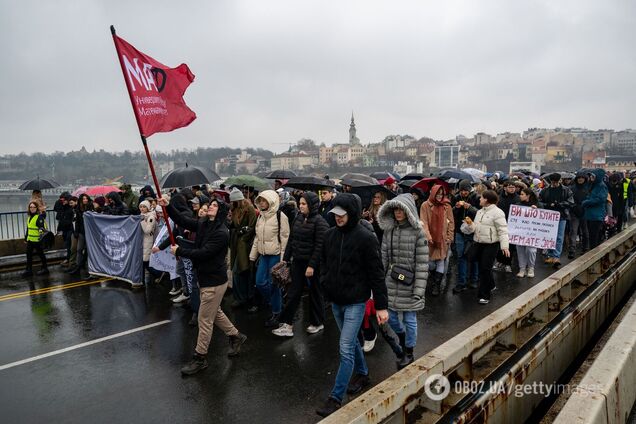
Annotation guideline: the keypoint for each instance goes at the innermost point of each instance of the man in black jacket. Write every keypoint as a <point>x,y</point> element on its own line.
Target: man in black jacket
<point>508,197</point>
<point>464,207</point>
<point>326,204</point>
<point>578,224</point>
<point>350,269</point>
<point>208,257</point>
<point>64,218</point>
<point>559,198</point>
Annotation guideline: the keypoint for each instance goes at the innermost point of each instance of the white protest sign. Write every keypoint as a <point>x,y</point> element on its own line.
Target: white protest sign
<point>533,227</point>
<point>164,260</point>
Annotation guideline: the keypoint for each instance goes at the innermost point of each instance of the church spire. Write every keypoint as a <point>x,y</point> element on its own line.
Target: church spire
<point>352,132</point>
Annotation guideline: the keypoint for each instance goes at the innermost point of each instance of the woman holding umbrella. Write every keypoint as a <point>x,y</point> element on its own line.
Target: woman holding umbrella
<point>36,225</point>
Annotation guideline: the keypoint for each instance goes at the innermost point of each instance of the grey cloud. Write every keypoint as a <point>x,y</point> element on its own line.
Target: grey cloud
<point>273,72</point>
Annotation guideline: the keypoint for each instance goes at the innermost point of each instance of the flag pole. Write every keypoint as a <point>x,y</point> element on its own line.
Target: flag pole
<point>143,138</point>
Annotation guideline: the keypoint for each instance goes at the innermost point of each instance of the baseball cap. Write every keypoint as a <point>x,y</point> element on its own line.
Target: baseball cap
<point>338,211</point>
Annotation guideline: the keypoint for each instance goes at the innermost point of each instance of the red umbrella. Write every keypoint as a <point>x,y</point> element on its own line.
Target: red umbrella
<point>95,190</point>
<point>425,184</point>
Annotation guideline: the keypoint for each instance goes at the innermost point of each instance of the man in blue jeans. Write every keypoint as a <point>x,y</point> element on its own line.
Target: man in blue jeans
<point>350,269</point>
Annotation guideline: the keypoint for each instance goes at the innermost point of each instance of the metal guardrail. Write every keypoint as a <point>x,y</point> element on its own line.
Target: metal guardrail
<point>608,389</point>
<point>13,224</point>
<point>530,339</point>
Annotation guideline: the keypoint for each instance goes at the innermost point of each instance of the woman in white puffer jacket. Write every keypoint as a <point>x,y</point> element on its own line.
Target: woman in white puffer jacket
<point>490,234</point>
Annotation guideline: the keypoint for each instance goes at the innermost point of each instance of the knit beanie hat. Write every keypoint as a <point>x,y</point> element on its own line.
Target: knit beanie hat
<point>236,195</point>
<point>100,200</point>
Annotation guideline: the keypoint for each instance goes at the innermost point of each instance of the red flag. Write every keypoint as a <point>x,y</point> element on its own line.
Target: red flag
<point>156,91</point>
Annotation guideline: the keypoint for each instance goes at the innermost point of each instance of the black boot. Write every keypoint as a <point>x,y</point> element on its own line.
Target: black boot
<point>43,271</point>
<point>407,358</point>
<point>198,363</point>
<point>436,279</point>
<point>235,344</point>
<point>402,339</point>
<point>272,321</point>
<point>27,273</point>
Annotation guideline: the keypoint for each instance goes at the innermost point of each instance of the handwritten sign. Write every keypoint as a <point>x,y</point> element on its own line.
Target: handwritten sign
<point>533,227</point>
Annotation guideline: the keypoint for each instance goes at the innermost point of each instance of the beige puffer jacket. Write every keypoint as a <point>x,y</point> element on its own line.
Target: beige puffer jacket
<point>149,227</point>
<point>266,239</point>
<point>491,227</point>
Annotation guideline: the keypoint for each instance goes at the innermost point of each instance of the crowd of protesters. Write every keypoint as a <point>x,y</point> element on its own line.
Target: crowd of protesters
<point>371,263</point>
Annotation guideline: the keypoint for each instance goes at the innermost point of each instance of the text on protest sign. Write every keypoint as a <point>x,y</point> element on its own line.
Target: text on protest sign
<point>533,227</point>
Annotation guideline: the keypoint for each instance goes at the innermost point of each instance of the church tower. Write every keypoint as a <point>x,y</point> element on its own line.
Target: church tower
<point>352,132</point>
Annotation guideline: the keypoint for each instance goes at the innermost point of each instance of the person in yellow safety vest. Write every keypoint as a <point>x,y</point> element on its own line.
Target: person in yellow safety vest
<point>36,224</point>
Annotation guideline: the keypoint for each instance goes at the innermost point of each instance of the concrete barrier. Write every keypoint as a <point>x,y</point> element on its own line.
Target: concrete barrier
<point>607,392</point>
<point>403,398</point>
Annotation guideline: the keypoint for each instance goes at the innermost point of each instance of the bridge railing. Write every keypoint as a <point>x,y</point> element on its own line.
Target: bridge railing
<point>411,394</point>
<point>13,224</point>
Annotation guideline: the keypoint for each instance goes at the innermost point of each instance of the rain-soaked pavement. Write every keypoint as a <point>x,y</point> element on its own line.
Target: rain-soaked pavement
<point>135,378</point>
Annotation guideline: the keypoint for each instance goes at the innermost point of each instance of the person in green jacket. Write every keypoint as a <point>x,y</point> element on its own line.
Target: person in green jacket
<point>242,226</point>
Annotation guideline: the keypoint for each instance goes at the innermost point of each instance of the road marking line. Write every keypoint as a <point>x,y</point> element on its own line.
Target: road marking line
<point>49,289</point>
<point>81,345</point>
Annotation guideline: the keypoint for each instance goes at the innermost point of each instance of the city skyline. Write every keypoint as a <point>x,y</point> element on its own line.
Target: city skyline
<point>268,75</point>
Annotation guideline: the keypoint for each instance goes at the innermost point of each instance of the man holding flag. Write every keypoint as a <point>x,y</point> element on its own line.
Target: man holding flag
<point>156,93</point>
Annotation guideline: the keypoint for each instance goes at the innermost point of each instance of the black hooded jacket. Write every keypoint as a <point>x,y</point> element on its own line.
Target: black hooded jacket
<point>180,205</point>
<point>143,197</point>
<point>210,245</point>
<point>307,234</point>
<point>579,194</point>
<point>350,266</point>
<point>117,207</point>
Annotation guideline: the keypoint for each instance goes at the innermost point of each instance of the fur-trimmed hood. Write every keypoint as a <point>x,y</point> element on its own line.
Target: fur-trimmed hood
<point>386,219</point>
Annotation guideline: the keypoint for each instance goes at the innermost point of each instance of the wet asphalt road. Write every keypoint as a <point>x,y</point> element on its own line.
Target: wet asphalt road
<point>135,378</point>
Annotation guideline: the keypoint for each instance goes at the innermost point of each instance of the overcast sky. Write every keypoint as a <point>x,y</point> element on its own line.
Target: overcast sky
<point>272,72</point>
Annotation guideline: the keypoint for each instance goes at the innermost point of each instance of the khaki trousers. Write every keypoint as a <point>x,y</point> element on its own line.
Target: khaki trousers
<point>210,313</point>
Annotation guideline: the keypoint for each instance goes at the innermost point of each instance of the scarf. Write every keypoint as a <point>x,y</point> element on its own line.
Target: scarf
<point>438,216</point>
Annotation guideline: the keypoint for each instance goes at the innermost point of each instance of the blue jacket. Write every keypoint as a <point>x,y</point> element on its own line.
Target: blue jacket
<point>596,201</point>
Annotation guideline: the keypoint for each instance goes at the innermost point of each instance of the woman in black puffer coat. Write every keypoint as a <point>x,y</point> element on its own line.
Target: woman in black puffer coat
<point>303,249</point>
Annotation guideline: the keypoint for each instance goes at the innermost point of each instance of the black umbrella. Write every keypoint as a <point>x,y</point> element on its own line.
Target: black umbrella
<point>383,175</point>
<point>309,183</point>
<point>39,184</point>
<point>188,176</point>
<point>458,174</point>
<point>406,184</point>
<point>359,177</point>
<point>413,176</point>
<point>366,190</point>
<point>281,174</point>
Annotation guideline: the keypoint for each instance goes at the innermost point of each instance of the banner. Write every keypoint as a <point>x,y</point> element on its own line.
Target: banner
<point>115,246</point>
<point>164,260</point>
<point>533,227</point>
<point>156,91</point>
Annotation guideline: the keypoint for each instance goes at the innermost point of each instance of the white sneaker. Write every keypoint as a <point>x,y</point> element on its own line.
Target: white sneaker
<point>507,268</point>
<point>530,272</point>
<point>484,301</point>
<point>136,285</point>
<point>180,298</point>
<point>521,273</point>
<point>313,329</point>
<point>283,330</point>
<point>175,291</point>
<point>369,344</point>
